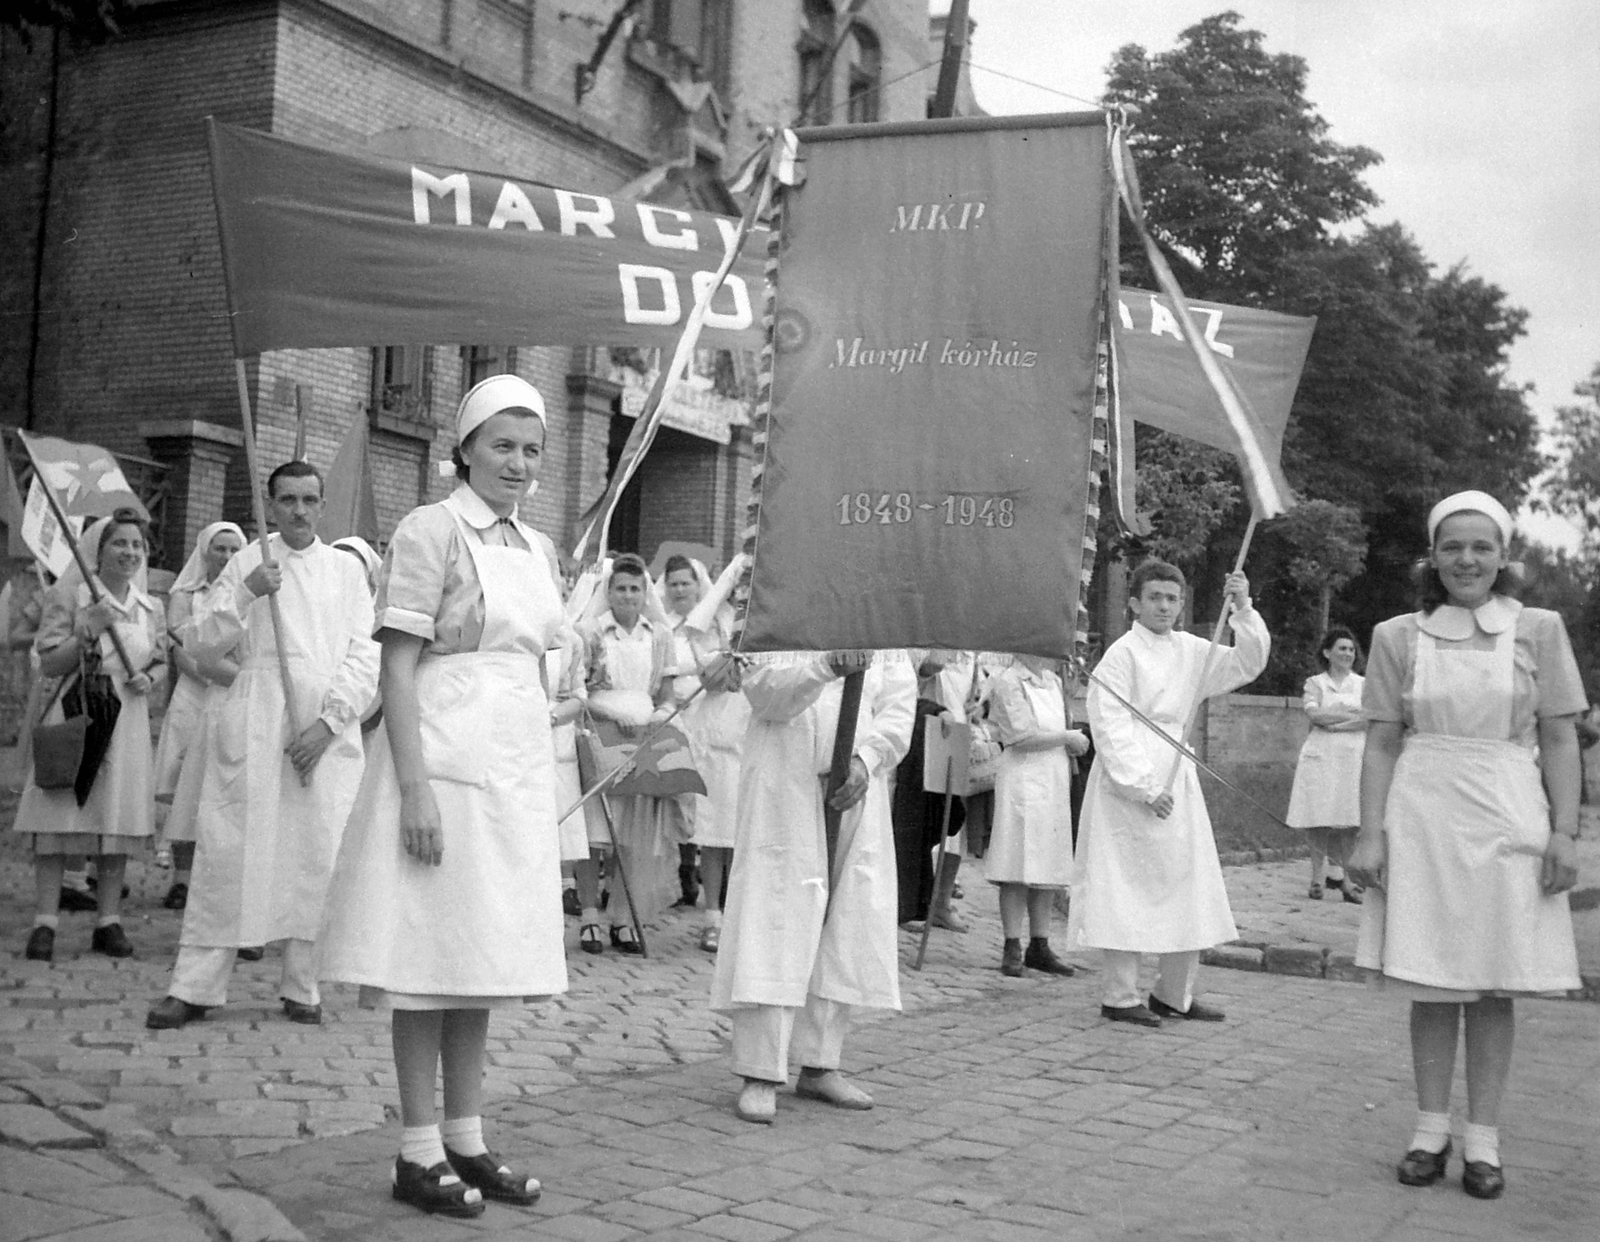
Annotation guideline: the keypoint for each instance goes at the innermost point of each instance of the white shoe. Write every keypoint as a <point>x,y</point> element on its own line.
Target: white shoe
<point>831,1087</point>
<point>758,1102</point>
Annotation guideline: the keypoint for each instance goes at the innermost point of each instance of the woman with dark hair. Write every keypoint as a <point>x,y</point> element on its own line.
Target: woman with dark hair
<point>1326,797</point>
<point>446,899</point>
<point>111,811</point>
<point>1469,818</point>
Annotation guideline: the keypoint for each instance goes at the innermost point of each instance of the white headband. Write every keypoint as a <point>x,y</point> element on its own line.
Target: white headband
<point>486,399</point>
<point>1471,502</point>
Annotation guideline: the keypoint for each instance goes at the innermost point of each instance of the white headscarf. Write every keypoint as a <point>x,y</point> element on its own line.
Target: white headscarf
<point>192,577</point>
<point>1471,502</point>
<point>364,552</point>
<point>89,547</point>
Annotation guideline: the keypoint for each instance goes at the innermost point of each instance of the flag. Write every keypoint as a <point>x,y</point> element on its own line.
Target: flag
<point>42,533</point>
<point>1158,384</point>
<point>349,505</point>
<point>11,508</point>
<point>85,478</point>
<point>661,768</point>
<point>1269,492</point>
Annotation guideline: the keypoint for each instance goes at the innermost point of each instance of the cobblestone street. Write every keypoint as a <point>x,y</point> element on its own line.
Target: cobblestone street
<point>1006,1109</point>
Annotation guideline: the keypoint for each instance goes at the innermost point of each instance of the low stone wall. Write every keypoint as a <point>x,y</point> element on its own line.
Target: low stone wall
<point>1254,741</point>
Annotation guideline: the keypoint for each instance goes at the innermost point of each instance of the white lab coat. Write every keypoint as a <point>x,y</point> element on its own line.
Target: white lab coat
<point>1143,884</point>
<point>776,947</point>
<point>715,724</point>
<point>266,844</point>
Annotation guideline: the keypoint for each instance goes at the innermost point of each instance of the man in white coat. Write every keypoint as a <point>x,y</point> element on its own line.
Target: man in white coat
<point>273,806</point>
<point>1146,877</point>
<point>791,965</point>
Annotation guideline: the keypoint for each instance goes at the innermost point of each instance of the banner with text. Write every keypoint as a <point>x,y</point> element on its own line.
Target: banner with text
<point>327,248</point>
<point>926,473</point>
<point>1160,385</point>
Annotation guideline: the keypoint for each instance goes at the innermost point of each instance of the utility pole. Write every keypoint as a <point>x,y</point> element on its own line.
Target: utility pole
<point>955,51</point>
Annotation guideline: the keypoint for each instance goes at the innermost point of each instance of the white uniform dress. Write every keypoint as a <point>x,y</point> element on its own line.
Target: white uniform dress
<point>181,754</point>
<point>776,948</point>
<point>1462,915</point>
<point>715,724</point>
<point>265,842</point>
<point>1327,779</point>
<point>483,929</point>
<point>1140,883</point>
<point>119,815</point>
<point>1031,842</point>
<point>563,666</point>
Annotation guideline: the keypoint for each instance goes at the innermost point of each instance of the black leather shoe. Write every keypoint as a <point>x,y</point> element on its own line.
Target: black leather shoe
<point>298,1011</point>
<point>1040,956</point>
<point>76,901</point>
<point>1195,1013</point>
<point>111,940</point>
<point>569,903</point>
<point>1137,1014</point>
<point>1011,959</point>
<point>177,897</point>
<point>1482,1180</point>
<point>253,954</point>
<point>423,1188</point>
<point>623,940</point>
<point>170,1013</point>
<point>589,938</point>
<point>495,1180</point>
<point>1424,1168</point>
<point>41,945</point>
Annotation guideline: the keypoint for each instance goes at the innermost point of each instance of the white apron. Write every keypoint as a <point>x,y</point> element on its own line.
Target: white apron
<point>715,725</point>
<point>265,842</point>
<point>1467,823</point>
<point>185,794</point>
<point>1327,778</point>
<point>780,939</point>
<point>486,923</point>
<point>566,780</point>
<point>121,802</point>
<point>179,728</point>
<point>1031,841</point>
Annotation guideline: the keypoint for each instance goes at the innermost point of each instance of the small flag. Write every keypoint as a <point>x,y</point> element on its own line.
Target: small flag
<point>43,533</point>
<point>85,478</point>
<point>349,504</point>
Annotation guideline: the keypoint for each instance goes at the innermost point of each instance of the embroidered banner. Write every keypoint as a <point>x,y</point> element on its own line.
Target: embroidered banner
<point>327,248</point>
<point>925,480</point>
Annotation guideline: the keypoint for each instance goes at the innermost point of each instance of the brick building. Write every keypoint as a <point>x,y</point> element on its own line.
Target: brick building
<point>112,286</point>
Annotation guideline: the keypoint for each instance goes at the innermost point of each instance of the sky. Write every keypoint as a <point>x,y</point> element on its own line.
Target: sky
<point>1486,113</point>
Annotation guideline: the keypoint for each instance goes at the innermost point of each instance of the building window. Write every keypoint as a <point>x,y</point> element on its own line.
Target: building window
<point>865,74</point>
<point>402,384</point>
<point>479,362</point>
<point>700,32</point>
<point>816,39</point>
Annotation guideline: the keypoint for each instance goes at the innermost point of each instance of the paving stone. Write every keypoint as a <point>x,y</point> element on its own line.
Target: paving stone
<point>33,1218</point>
<point>32,1126</point>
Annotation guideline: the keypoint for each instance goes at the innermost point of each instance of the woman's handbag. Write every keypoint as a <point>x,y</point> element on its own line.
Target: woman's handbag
<point>58,752</point>
<point>68,755</point>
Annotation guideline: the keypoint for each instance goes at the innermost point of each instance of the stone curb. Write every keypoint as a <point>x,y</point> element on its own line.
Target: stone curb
<point>1320,962</point>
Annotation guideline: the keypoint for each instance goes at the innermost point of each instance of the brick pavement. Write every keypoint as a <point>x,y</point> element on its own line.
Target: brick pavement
<point>1007,1108</point>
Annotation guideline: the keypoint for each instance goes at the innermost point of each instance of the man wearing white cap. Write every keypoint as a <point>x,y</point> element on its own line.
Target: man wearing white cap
<point>273,802</point>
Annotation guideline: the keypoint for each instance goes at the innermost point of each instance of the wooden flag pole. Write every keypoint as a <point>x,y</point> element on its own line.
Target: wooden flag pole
<point>252,466</point>
<point>77,553</point>
<point>844,747</point>
<point>1211,653</point>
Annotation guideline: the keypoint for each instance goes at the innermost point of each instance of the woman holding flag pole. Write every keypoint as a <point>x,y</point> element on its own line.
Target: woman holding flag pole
<point>446,899</point>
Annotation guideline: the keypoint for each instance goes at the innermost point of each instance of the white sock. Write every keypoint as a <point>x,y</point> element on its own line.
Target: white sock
<point>591,914</point>
<point>52,921</point>
<point>464,1135</point>
<point>1481,1144</point>
<point>106,920</point>
<point>422,1145</point>
<point>1433,1132</point>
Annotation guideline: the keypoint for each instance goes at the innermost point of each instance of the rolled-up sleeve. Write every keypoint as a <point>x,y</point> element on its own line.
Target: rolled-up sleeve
<point>1383,691</point>
<point>411,583</point>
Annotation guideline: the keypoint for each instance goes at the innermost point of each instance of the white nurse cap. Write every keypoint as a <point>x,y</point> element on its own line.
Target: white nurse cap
<point>488,397</point>
<point>1471,502</point>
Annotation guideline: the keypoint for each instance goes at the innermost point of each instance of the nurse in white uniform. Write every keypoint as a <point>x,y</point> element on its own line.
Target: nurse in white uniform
<point>1469,818</point>
<point>446,901</point>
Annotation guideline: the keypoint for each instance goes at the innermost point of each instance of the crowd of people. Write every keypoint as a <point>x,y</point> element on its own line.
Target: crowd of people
<point>391,768</point>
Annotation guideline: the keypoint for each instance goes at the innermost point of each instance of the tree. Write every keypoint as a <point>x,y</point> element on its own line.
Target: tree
<point>1573,486</point>
<point>1236,167</point>
<point>1330,547</point>
<point>88,19</point>
<point>1404,396</point>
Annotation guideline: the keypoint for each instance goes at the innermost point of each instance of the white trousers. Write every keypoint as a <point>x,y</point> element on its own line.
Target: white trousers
<point>1174,985</point>
<point>201,974</point>
<point>763,1034</point>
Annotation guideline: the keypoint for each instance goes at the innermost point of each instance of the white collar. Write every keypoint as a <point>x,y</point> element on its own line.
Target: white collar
<point>475,511</point>
<point>609,622</point>
<point>1149,636</point>
<point>1453,623</point>
<point>136,599</point>
<point>283,548</point>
